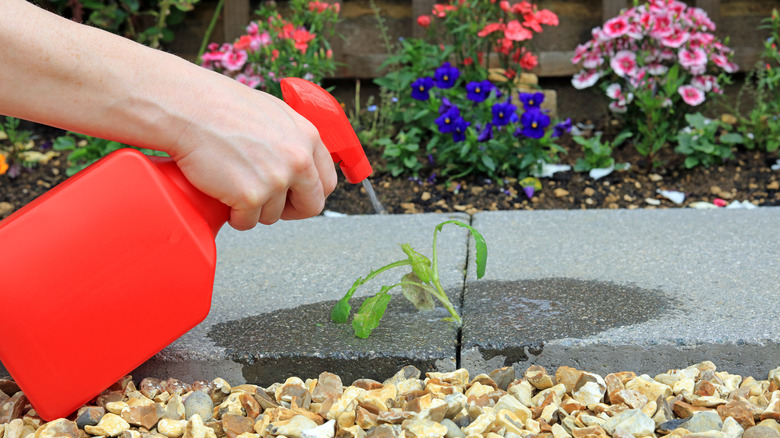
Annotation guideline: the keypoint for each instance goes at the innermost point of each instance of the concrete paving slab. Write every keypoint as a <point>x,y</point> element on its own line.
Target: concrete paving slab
<point>639,290</point>
<point>275,287</point>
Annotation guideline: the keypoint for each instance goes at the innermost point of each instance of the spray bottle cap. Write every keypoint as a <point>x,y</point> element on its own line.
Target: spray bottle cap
<point>324,112</point>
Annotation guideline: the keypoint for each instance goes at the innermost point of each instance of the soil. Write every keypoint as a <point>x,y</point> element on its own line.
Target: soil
<point>746,177</point>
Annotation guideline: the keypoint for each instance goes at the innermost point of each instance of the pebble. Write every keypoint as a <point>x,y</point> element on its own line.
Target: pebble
<point>198,403</point>
<point>695,402</point>
<point>109,425</point>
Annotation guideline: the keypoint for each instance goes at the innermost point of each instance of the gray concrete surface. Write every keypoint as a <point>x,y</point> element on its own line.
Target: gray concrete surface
<point>601,290</point>
<point>640,290</point>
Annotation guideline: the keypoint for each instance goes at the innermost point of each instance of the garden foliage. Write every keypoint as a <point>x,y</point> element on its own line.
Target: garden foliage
<point>760,126</point>
<point>456,113</point>
<point>657,62</point>
<point>145,21</point>
<point>275,47</point>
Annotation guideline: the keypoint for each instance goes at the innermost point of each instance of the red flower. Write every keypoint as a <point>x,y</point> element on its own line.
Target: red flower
<point>522,8</point>
<point>441,10</point>
<point>287,30</point>
<point>318,6</point>
<point>516,32</point>
<point>530,22</point>
<point>302,37</point>
<point>243,43</point>
<point>547,17</point>
<point>424,21</point>
<point>490,28</point>
<point>468,61</point>
<point>504,45</point>
<point>528,61</point>
<point>274,54</point>
<point>510,74</point>
<point>504,4</point>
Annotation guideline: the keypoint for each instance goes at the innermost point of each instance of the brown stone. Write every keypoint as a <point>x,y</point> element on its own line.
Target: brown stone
<point>60,428</point>
<point>738,410</point>
<point>589,432</point>
<point>9,387</point>
<point>568,376</point>
<point>538,377</point>
<point>626,376</point>
<point>382,431</point>
<point>175,387</point>
<point>705,388</point>
<point>150,387</point>
<point>632,399</point>
<point>367,384</point>
<point>760,431</point>
<point>329,385</point>
<point>685,410</point>
<point>13,407</point>
<point>570,405</point>
<point>772,410</point>
<point>365,419</point>
<point>390,417</point>
<point>145,416</point>
<point>235,425</point>
<point>614,384</point>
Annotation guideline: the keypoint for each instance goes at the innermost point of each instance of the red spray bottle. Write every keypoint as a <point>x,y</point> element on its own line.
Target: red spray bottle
<point>117,262</point>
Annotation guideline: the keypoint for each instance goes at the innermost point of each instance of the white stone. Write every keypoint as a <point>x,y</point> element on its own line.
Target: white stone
<point>630,422</point>
<point>421,428</point>
<point>732,428</point>
<point>293,427</point>
<point>590,389</point>
<point>480,425</point>
<point>196,429</point>
<point>325,430</point>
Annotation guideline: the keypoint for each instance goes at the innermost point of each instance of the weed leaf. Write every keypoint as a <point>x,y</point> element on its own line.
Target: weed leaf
<point>421,265</point>
<point>371,311</point>
<point>340,311</point>
<point>480,245</point>
<point>418,296</point>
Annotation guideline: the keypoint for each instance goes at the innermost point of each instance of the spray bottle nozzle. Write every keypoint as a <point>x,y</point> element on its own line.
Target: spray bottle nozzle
<point>324,112</point>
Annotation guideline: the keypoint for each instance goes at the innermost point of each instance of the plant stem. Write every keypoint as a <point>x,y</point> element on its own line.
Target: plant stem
<point>445,301</point>
<point>209,30</point>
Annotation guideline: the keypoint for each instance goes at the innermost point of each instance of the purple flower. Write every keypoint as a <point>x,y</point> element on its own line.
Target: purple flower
<point>561,128</point>
<point>446,75</point>
<point>504,113</point>
<point>447,120</point>
<point>531,100</point>
<point>446,105</point>
<point>420,88</point>
<point>486,133</point>
<point>478,91</point>
<point>459,129</point>
<point>533,123</point>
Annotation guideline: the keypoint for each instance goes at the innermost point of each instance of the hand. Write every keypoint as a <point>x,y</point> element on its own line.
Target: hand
<point>256,155</point>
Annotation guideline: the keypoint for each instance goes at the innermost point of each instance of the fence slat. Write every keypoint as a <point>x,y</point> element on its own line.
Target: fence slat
<point>235,18</point>
<point>712,7</point>
<point>420,7</point>
<point>611,8</point>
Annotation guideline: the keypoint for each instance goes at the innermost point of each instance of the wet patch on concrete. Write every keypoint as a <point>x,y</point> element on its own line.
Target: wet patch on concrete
<point>513,319</point>
<point>302,341</point>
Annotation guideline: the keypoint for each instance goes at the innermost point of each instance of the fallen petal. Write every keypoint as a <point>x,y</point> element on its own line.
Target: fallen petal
<point>676,197</point>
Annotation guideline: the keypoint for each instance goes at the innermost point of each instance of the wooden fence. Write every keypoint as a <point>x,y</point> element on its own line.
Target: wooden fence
<point>361,51</point>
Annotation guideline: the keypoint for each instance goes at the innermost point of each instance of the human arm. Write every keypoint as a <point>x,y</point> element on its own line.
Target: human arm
<point>244,147</point>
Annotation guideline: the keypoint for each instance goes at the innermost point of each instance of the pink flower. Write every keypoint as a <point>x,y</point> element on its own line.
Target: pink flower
<point>616,27</point>
<point>662,27</point>
<point>691,95</point>
<point>723,62</point>
<point>703,82</point>
<point>592,60</point>
<point>618,107</point>
<point>251,81</point>
<point>585,79</point>
<point>504,5</point>
<point>614,91</point>
<point>676,40</point>
<point>516,32</point>
<point>692,59</point>
<point>624,63</point>
<point>234,60</point>
<point>657,69</point>
<point>700,40</point>
<point>252,28</point>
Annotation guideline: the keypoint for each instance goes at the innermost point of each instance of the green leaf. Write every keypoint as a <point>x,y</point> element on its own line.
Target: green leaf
<point>479,243</point>
<point>371,311</point>
<point>691,162</point>
<point>63,143</point>
<point>731,138</point>
<point>340,311</point>
<point>416,294</point>
<point>421,265</point>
